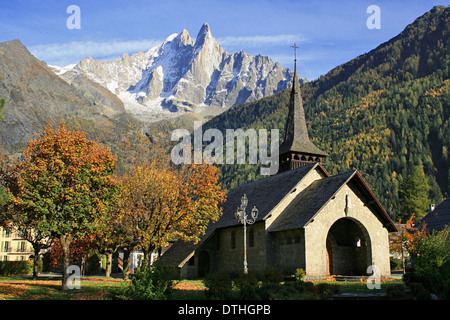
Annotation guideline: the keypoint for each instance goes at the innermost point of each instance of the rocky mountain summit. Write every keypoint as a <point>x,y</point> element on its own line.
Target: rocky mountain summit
<point>182,74</point>
<point>35,96</point>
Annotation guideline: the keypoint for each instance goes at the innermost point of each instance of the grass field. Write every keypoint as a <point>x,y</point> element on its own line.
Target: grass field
<point>98,288</point>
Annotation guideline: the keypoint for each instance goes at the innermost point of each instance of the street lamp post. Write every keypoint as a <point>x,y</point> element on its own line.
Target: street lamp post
<point>242,217</point>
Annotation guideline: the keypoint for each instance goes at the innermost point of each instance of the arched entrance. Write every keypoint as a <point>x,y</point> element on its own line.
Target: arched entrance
<point>348,248</point>
<point>203,264</point>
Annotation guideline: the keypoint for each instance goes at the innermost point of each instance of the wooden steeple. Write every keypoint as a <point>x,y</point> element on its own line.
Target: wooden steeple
<point>297,150</point>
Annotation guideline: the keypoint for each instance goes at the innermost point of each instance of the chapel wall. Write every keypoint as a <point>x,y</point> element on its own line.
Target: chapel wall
<point>316,232</point>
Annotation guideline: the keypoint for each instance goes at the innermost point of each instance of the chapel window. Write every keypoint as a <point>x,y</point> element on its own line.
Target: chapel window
<point>233,239</point>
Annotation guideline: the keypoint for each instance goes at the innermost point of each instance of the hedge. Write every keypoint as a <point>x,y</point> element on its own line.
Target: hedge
<point>8,268</point>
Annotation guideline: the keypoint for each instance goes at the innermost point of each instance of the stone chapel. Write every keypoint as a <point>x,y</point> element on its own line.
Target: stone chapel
<point>327,225</point>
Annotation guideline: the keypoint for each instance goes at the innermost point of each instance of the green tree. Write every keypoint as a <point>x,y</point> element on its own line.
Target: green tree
<point>430,253</point>
<point>63,187</point>
<point>4,195</point>
<point>413,195</point>
<point>2,105</point>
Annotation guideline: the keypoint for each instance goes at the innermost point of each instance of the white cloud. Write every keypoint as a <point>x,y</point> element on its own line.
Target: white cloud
<point>62,54</point>
<point>261,40</point>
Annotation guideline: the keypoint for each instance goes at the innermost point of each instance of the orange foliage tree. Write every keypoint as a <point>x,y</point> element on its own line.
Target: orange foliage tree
<point>63,187</point>
<point>413,235</point>
<point>80,249</point>
<point>160,202</point>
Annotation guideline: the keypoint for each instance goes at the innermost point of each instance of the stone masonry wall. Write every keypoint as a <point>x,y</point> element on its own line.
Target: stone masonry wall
<point>316,232</point>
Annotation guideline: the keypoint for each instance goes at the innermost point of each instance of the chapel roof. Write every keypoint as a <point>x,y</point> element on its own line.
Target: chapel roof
<point>310,202</point>
<point>439,218</point>
<point>265,194</point>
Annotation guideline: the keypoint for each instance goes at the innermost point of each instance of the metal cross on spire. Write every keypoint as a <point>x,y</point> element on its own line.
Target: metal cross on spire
<point>295,51</point>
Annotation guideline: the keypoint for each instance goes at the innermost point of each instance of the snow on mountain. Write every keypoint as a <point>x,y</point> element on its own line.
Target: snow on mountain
<point>181,75</point>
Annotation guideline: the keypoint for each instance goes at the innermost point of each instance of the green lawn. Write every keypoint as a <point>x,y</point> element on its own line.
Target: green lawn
<point>24,288</point>
<point>361,287</point>
<point>98,288</point>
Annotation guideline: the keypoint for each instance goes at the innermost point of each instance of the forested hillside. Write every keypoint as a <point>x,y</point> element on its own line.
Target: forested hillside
<point>382,113</point>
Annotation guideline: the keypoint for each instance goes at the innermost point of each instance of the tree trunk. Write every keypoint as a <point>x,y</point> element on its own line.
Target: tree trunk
<point>126,264</point>
<point>147,255</point>
<point>108,263</point>
<point>65,244</point>
<point>36,249</point>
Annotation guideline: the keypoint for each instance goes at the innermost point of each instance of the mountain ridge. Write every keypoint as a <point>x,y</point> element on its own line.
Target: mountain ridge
<point>36,96</point>
<point>382,113</point>
<point>182,74</point>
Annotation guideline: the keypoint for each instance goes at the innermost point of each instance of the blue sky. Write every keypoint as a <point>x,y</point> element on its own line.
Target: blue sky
<point>328,32</point>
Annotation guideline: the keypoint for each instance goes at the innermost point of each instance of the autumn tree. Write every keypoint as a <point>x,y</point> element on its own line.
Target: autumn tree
<point>63,187</point>
<point>164,204</point>
<point>114,234</point>
<point>80,250</point>
<point>430,253</point>
<point>412,234</point>
<point>161,202</point>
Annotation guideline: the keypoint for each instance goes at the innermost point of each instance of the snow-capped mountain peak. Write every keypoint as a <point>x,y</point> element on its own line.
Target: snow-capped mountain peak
<point>180,74</point>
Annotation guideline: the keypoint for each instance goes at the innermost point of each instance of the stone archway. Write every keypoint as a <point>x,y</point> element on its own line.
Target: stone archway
<point>203,264</point>
<point>348,248</point>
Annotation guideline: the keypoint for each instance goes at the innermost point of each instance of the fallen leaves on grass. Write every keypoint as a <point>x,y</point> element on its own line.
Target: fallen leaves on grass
<point>186,285</point>
<point>10,291</point>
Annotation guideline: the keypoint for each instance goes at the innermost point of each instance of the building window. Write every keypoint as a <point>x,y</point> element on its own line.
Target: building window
<point>233,239</point>
<point>251,237</point>
<point>21,246</point>
<point>6,247</point>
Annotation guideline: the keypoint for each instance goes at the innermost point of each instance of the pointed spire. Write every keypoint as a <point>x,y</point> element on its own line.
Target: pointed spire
<point>296,139</point>
<point>203,35</point>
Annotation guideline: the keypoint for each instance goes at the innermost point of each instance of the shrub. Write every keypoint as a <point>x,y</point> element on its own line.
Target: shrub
<point>446,290</point>
<point>219,285</point>
<point>268,291</point>
<point>300,286</point>
<point>299,274</point>
<point>327,289</point>
<point>8,268</point>
<point>424,294</point>
<point>412,277</point>
<point>244,280</point>
<point>285,293</point>
<point>431,257</point>
<point>396,292</point>
<point>249,292</point>
<point>296,291</point>
<point>396,264</point>
<point>272,275</point>
<point>151,283</point>
<point>310,287</point>
<point>92,264</point>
